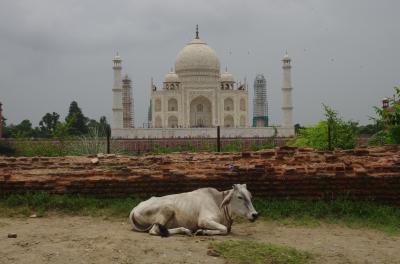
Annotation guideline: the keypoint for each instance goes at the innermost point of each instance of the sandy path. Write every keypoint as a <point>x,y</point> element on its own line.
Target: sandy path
<point>63,239</point>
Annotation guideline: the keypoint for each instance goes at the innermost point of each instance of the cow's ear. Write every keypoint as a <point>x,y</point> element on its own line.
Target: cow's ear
<point>227,199</point>
<point>235,187</point>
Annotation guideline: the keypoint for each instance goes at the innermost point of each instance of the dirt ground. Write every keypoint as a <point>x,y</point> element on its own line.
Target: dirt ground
<point>64,239</point>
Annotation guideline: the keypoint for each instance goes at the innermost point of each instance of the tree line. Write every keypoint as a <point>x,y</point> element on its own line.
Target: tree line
<point>51,126</point>
<point>335,132</point>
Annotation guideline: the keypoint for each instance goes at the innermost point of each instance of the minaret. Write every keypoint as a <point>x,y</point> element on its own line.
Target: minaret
<point>117,94</point>
<point>127,103</point>
<point>260,102</point>
<point>287,107</point>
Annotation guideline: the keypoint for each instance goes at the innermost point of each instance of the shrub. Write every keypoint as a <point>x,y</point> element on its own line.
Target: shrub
<point>328,134</point>
<point>30,148</point>
<point>6,148</point>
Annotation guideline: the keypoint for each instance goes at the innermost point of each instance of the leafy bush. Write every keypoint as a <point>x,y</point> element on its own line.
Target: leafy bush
<point>331,133</point>
<point>30,148</point>
<point>380,138</point>
<point>389,121</point>
<point>235,146</point>
<point>266,145</point>
<point>6,148</point>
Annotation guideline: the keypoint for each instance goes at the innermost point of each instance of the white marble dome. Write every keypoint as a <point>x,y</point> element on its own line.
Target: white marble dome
<point>227,77</point>
<point>197,56</point>
<point>171,77</point>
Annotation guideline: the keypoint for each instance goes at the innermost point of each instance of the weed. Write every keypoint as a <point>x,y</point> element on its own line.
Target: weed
<point>246,251</point>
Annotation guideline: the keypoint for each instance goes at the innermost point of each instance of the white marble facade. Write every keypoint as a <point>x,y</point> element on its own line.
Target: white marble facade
<point>196,95</point>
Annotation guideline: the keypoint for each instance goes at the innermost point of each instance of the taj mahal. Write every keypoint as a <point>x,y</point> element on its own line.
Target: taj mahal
<point>195,98</point>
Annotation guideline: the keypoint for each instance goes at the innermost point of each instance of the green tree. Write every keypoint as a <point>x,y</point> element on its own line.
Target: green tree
<point>48,124</point>
<point>297,128</point>
<point>6,129</point>
<point>101,126</point>
<point>61,130</point>
<point>333,132</point>
<point>76,121</point>
<point>23,130</point>
<point>389,121</point>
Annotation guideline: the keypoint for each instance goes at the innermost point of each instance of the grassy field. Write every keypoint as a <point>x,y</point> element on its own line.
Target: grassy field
<point>289,212</point>
<point>246,251</point>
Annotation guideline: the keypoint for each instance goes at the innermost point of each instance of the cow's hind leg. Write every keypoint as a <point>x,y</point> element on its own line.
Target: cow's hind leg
<point>210,227</point>
<point>159,228</point>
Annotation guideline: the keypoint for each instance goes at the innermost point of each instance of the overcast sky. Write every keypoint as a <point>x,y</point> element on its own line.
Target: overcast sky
<point>345,53</point>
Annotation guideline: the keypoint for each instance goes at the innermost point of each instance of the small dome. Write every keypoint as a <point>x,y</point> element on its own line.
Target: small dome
<point>171,77</point>
<point>197,56</point>
<point>227,77</point>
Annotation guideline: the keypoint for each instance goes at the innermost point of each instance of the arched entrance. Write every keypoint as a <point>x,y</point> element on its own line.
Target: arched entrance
<point>200,112</point>
<point>228,121</point>
<point>173,121</point>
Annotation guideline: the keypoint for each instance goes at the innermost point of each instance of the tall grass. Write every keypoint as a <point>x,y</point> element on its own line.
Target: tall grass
<point>43,202</point>
<point>340,211</point>
<point>30,148</point>
<point>88,144</point>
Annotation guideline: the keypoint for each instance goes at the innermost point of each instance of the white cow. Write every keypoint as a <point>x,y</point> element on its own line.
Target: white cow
<point>205,211</point>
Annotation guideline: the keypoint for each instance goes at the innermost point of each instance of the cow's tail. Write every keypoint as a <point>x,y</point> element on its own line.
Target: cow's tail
<point>136,226</point>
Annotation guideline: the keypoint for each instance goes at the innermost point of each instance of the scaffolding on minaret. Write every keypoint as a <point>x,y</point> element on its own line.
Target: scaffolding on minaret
<point>260,102</point>
<point>127,103</point>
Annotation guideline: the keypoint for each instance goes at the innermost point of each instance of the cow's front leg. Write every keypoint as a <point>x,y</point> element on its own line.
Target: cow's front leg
<point>180,230</point>
<point>210,227</point>
<point>157,230</point>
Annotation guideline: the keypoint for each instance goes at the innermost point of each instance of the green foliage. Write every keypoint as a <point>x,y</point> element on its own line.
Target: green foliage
<point>43,202</point>
<point>267,144</point>
<point>22,130</point>
<point>394,131</point>
<point>48,148</point>
<point>76,125</point>
<point>61,131</point>
<point>48,124</point>
<point>236,146</point>
<point>88,144</point>
<point>380,138</point>
<point>388,121</point>
<point>6,148</point>
<point>331,133</point>
<point>76,121</point>
<point>356,214</point>
<point>369,129</point>
<point>340,211</point>
<point>297,128</point>
<point>315,136</point>
<point>102,126</point>
<point>247,251</point>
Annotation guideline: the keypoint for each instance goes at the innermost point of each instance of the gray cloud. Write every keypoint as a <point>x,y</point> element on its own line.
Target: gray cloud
<point>345,53</point>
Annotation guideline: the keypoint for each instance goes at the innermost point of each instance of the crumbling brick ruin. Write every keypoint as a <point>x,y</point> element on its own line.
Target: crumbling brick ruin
<point>365,173</point>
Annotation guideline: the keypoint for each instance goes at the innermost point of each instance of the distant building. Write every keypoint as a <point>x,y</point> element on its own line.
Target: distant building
<point>260,102</point>
<point>196,97</point>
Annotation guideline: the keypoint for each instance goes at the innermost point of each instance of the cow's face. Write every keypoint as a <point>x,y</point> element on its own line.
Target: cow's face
<point>241,202</point>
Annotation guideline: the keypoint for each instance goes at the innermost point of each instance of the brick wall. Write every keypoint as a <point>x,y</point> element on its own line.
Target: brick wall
<point>365,173</point>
